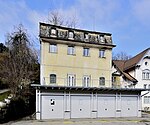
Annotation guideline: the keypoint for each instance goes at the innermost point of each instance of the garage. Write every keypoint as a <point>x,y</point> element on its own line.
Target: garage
<point>129,106</point>
<point>52,107</point>
<point>80,106</point>
<point>54,102</point>
<point>106,106</point>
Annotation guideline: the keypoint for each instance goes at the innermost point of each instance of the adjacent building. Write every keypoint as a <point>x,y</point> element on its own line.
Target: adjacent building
<point>134,73</point>
<point>76,77</point>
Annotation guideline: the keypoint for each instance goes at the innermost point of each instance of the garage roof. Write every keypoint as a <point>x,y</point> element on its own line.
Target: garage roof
<point>106,89</point>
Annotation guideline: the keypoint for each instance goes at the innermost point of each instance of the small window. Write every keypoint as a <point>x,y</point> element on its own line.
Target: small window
<point>86,52</point>
<point>145,86</point>
<point>102,39</point>
<point>53,48</point>
<point>52,79</point>
<point>146,63</point>
<point>71,50</point>
<point>147,99</point>
<point>53,32</point>
<point>149,86</point>
<point>101,53</point>
<point>86,36</point>
<point>102,81</point>
<point>146,74</point>
<point>70,34</point>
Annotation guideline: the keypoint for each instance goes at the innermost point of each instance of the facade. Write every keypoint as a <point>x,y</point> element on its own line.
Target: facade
<point>71,57</point>
<point>134,73</point>
<point>76,77</point>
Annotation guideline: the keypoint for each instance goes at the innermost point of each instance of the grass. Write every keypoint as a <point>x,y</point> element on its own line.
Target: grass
<point>4,95</point>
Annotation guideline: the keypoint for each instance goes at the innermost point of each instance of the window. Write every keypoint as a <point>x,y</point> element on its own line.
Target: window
<point>53,48</point>
<point>86,81</point>
<point>102,81</point>
<point>146,63</point>
<point>71,80</point>
<point>146,74</point>
<point>53,32</point>
<point>147,99</point>
<point>149,86</point>
<point>101,53</point>
<point>71,50</point>
<point>86,36</point>
<point>70,34</point>
<point>102,39</point>
<point>145,85</point>
<point>52,79</point>
<point>86,51</point>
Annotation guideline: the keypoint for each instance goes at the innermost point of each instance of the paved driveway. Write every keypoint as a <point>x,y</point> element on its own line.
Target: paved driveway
<point>102,121</point>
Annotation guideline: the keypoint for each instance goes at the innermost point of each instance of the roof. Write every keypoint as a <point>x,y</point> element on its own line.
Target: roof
<point>124,65</point>
<point>72,88</point>
<point>133,61</point>
<point>120,66</point>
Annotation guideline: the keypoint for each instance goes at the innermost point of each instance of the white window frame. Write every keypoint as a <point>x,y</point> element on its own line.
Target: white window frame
<point>53,32</point>
<point>71,80</point>
<point>86,80</point>
<point>86,52</point>
<point>71,35</point>
<point>53,48</point>
<point>146,99</point>
<point>145,86</point>
<point>102,53</point>
<point>146,74</point>
<point>71,50</point>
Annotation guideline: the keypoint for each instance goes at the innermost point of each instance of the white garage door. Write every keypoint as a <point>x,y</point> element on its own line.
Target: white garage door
<point>52,107</point>
<point>106,106</point>
<point>80,107</point>
<point>129,106</point>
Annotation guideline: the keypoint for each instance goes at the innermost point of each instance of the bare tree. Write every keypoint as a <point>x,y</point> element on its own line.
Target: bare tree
<point>18,64</point>
<point>121,56</point>
<point>56,18</point>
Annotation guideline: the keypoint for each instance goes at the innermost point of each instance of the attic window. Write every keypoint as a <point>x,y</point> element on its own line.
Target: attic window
<point>71,35</point>
<point>146,63</point>
<point>53,32</point>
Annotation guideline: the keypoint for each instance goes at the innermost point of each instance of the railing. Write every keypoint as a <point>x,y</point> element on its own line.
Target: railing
<point>80,83</point>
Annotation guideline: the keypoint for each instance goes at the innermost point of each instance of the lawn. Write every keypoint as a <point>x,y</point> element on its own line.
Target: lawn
<point>4,95</point>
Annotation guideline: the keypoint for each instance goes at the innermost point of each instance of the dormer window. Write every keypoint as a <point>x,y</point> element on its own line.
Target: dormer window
<point>71,35</point>
<point>86,36</point>
<point>102,38</point>
<point>53,31</point>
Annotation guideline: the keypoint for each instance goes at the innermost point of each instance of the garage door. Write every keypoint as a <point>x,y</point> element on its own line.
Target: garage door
<point>129,106</point>
<point>80,107</point>
<point>52,107</point>
<point>106,106</point>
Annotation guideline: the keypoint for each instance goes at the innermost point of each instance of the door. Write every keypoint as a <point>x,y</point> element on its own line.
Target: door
<point>86,81</point>
<point>52,107</point>
<point>106,106</point>
<point>71,80</point>
<point>129,106</point>
<point>80,107</point>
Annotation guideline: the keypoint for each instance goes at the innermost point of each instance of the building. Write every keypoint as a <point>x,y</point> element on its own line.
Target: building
<point>134,73</point>
<point>76,77</point>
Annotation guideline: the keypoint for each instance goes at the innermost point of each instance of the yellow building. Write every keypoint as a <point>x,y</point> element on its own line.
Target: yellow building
<point>74,57</point>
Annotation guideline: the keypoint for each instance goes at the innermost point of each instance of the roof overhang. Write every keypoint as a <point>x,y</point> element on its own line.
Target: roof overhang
<point>98,89</point>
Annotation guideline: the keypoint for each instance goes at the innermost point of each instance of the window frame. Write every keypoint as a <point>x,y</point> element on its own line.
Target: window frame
<point>146,74</point>
<point>86,80</point>
<point>53,78</point>
<point>86,51</point>
<point>102,53</point>
<point>53,48</point>
<point>71,50</point>
<point>102,81</point>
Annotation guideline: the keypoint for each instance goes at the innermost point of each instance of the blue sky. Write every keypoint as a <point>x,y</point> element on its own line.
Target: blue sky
<point>127,20</point>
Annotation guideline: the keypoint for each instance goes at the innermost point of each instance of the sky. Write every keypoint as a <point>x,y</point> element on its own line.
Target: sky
<point>127,20</point>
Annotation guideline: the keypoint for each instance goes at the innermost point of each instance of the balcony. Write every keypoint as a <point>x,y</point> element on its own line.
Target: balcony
<point>76,82</point>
